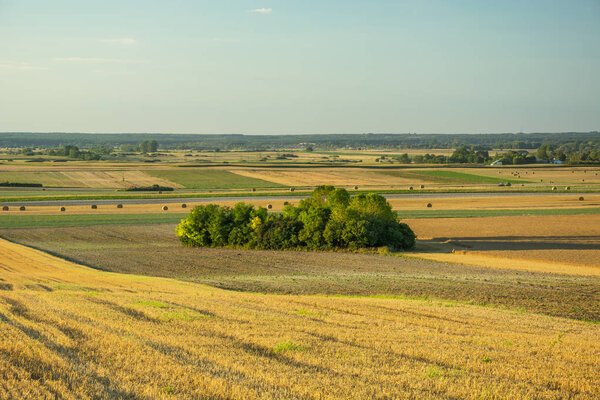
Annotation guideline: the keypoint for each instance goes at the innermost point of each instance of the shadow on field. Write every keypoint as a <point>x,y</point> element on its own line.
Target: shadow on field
<point>445,245</point>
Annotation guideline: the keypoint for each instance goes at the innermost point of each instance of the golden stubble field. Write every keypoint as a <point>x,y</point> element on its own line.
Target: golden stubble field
<point>553,243</point>
<point>77,333</point>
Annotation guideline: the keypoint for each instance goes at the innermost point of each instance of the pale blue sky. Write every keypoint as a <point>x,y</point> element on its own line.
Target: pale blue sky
<point>303,66</point>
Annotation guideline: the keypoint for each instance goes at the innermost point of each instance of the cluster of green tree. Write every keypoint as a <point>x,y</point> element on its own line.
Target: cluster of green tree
<point>516,157</point>
<point>572,153</point>
<point>277,142</point>
<point>153,188</point>
<point>461,155</point>
<point>329,219</point>
<point>147,146</point>
<point>72,151</point>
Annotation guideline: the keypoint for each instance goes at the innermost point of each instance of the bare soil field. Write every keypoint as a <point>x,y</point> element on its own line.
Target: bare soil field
<point>89,334</point>
<point>570,240</point>
<point>154,250</point>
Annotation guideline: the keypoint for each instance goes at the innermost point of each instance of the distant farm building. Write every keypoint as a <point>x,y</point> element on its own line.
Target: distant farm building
<point>497,162</point>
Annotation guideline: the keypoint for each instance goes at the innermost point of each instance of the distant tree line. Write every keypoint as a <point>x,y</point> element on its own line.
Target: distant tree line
<point>329,219</point>
<point>524,141</point>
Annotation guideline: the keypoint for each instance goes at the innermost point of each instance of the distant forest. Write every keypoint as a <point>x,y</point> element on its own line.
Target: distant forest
<point>527,141</point>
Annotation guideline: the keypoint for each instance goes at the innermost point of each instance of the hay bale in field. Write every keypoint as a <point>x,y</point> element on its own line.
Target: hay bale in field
<point>285,203</point>
<point>292,189</point>
<point>355,187</point>
<point>269,206</point>
<point>5,208</point>
<point>165,208</point>
<point>410,188</point>
<point>429,205</point>
<point>422,186</point>
<point>63,209</point>
<point>184,205</point>
<point>581,198</point>
<point>568,188</point>
<point>253,189</point>
<point>119,205</point>
<point>554,188</point>
<point>22,208</point>
<point>94,207</point>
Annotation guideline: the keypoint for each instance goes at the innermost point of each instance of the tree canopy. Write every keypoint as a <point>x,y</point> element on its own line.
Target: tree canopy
<point>329,219</point>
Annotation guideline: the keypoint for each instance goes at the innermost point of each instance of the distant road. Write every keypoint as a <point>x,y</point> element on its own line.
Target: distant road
<point>169,200</point>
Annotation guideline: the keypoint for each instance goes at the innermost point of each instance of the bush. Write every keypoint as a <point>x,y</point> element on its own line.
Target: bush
<point>329,219</point>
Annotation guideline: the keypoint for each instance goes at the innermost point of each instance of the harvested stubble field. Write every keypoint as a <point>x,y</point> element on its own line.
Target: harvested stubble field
<point>387,177</point>
<point>85,178</point>
<point>154,250</point>
<point>562,243</point>
<point>74,332</point>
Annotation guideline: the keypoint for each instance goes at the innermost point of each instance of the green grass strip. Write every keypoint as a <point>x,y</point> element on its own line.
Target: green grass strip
<point>34,221</point>
<point>493,213</point>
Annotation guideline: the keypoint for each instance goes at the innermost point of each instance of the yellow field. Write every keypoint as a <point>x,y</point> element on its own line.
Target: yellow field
<point>552,243</point>
<point>557,175</point>
<point>81,333</point>
<point>85,178</point>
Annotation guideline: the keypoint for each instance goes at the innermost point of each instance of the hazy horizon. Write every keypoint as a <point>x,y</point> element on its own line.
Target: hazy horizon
<point>284,67</point>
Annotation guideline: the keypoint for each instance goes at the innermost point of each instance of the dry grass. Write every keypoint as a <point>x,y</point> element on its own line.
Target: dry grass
<point>72,332</point>
<point>564,243</point>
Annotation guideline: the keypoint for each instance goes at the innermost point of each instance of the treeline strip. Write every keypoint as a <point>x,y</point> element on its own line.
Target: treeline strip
<point>19,184</point>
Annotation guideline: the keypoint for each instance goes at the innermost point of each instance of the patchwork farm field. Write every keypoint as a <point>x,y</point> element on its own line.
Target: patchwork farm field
<point>202,178</point>
<point>86,333</point>
<point>106,303</point>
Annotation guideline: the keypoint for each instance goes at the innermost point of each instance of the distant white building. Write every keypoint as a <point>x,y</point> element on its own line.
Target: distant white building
<point>497,162</point>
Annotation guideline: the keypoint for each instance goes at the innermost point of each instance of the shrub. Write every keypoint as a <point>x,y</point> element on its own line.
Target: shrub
<point>329,219</point>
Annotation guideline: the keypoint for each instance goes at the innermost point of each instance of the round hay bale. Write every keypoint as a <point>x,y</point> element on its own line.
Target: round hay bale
<point>119,205</point>
<point>355,187</point>
<point>63,209</point>
<point>269,206</point>
<point>292,189</point>
<point>4,208</point>
<point>285,203</point>
<point>94,207</point>
<point>568,188</point>
<point>22,208</point>
<point>429,205</point>
<point>410,188</point>
<point>422,186</point>
<point>165,208</point>
<point>184,205</point>
<point>583,180</point>
<point>254,189</point>
<point>554,188</point>
<point>581,198</point>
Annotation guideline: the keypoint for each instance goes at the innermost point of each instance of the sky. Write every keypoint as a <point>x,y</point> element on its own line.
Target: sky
<point>302,66</point>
